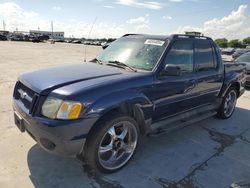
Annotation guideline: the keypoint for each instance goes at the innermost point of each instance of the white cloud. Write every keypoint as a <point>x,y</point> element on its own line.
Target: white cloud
<point>142,28</point>
<point>16,17</point>
<point>135,3</point>
<point>177,1</point>
<point>12,9</point>
<point>167,17</point>
<point>141,23</point>
<point>234,25</point>
<point>108,6</point>
<point>57,8</point>
<point>139,20</point>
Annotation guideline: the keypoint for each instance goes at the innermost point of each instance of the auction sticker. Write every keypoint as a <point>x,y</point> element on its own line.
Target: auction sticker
<point>154,42</point>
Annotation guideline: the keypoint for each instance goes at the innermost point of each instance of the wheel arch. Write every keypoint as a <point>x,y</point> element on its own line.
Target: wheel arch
<point>126,108</point>
<point>234,84</point>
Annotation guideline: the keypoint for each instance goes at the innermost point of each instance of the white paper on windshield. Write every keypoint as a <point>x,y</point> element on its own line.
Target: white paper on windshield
<point>154,42</point>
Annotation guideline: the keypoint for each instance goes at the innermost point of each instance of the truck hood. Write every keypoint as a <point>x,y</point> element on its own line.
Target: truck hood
<point>46,80</point>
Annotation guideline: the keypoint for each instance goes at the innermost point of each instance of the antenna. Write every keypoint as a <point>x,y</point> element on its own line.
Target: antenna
<point>4,25</point>
<point>52,30</point>
<point>85,51</point>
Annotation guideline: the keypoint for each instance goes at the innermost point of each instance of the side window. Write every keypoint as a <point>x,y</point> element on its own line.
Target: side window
<point>204,56</point>
<point>181,54</point>
<point>216,51</point>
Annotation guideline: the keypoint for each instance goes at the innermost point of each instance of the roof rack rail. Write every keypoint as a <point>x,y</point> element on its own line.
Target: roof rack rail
<point>130,34</point>
<point>190,36</point>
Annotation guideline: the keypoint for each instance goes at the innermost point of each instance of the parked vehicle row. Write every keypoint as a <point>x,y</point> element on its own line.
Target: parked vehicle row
<point>3,38</point>
<point>42,38</point>
<point>234,52</point>
<point>31,38</point>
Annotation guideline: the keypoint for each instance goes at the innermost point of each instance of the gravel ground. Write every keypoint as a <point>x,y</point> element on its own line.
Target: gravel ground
<point>211,153</point>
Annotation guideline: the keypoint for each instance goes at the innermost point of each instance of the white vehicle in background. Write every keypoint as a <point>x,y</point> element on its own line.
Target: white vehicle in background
<point>227,51</point>
<point>245,58</point>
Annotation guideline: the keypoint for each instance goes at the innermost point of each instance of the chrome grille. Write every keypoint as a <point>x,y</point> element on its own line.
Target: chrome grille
<point>27,96</point>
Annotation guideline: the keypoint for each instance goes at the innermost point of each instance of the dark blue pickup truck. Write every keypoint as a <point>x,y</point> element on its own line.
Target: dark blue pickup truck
<point>139,85</point>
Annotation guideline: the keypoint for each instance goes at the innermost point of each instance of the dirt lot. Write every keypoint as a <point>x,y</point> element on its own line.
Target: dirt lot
<point>211,153</point>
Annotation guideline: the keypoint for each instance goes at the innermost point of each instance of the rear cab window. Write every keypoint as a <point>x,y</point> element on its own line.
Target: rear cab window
<point>205,56</point>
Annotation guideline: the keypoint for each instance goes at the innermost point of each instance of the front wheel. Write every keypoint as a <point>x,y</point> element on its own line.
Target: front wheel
<point>112,144</point>
<point>228,104</point>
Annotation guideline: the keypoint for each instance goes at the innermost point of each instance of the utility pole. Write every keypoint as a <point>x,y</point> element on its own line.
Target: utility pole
<point>52,30</point>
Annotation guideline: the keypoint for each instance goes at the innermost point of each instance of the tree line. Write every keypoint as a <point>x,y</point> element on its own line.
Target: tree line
<point>236,43</point>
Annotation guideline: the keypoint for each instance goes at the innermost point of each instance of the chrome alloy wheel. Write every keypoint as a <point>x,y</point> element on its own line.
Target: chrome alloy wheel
<point>230,103</point>
<point>117,145</point>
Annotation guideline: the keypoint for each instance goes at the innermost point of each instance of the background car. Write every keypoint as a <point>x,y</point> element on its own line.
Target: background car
<point>239,52</point>
<point>3,38</point>
<point>227,51</point>
<point>245,58</point>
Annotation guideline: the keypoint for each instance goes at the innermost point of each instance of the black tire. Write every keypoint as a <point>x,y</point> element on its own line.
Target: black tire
<point>221,112</point>
<point>93,144</point>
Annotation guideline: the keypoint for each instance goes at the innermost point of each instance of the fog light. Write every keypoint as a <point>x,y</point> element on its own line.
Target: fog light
<point>47,144</point>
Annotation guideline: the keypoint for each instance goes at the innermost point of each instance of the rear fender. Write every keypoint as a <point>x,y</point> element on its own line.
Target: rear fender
<point>231,78</point>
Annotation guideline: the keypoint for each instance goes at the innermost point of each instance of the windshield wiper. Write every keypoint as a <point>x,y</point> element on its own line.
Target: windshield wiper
<point>96,61</point>
<point>121,64</point>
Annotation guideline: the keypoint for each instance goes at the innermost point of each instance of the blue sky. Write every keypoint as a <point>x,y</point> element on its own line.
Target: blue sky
<point>216,18</point>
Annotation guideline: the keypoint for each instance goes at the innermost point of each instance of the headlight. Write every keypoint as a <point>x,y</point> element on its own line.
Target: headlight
<point>56,108</point>
<point>50,107</point>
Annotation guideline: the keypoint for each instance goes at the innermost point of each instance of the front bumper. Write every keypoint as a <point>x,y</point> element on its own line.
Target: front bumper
<point>65,138</point>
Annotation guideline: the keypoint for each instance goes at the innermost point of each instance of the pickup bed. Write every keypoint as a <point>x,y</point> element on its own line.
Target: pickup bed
<point>139,85</point>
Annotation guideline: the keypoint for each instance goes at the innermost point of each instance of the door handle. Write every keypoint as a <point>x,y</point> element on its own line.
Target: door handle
<point>193,81</point>
<point>191,86</point>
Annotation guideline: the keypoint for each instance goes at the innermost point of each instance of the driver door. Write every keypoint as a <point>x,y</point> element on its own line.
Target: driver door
<point>176,94</point>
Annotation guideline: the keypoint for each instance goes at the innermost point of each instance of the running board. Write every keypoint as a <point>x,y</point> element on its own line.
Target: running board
<point>169,125</point>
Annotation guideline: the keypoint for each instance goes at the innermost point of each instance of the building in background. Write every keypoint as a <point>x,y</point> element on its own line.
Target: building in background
<point>20,33</point>
<point>52,35</point>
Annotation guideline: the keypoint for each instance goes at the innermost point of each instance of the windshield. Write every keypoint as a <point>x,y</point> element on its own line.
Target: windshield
<point>137,52</point>
<point>244,58</point>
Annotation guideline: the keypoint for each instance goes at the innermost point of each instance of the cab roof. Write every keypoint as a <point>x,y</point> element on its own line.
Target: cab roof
<point>167,37</point>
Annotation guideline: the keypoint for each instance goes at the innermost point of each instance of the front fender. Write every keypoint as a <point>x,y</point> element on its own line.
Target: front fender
<point>117,99</point>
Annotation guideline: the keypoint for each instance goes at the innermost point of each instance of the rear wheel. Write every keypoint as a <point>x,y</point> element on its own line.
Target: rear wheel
<point>112,144</point>
<point>228,104</point>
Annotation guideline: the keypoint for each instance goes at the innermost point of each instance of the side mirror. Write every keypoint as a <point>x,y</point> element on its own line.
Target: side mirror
<point>171,70</point>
